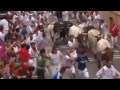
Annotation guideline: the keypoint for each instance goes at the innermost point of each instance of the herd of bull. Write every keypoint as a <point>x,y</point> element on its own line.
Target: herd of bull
<point>87,37</point>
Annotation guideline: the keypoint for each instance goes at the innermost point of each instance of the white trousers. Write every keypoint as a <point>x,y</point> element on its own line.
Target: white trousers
<point>54,69</point>
<point>72,69</point>
<point>113,41</point>
<point>84,72</point>
<point>47,51</point>
<point>34,62</point>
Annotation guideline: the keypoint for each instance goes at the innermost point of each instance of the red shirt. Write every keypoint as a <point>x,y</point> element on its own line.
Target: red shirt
<point>20,72</point>
<point>24,67</point>
<point>24,54</point>
<point>114,32</point>
<point>12,67</point>
<point>111,25</point>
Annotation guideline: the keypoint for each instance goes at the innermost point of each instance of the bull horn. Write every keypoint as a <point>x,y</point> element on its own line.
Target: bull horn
<point>103,52</point>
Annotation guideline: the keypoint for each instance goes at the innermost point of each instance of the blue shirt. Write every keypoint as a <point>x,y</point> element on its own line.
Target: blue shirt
<point>58,76</point>
<point>81,62</point>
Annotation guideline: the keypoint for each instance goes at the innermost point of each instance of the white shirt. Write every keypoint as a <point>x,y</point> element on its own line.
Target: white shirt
<point>56,57</point>
<point>4,22</point>
<point>24,19</point>
<point>94,14</point>
<point>16,49</point>
<point>28,21</point>
<point>89,21</point>
<point>37,37</point>
<point>71,44</point>
<point>2,36</point>
<point>9,13</point>
<point>97,17</point>
<point>77,15</point>
<point>28,41</point>
<point>68,60</point>
<point>96,20</point>
<point>18,26</point>
<point>65,15</point>
<point>107,73</point>
<point>33,18</point>
<point>14,18</point>
<point>84,16</point>
<point>73,54</point>
<point>41,17</point>
<point>104,28</point>
<point>33,53</point>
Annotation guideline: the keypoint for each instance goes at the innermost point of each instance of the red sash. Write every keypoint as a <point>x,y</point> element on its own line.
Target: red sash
<point>1,31</point>
<point>34,49</point>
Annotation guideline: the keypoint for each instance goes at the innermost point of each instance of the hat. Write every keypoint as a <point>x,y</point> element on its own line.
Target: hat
<point>24,32</point>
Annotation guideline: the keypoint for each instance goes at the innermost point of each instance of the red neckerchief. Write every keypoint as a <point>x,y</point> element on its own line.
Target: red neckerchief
<point>1,31</point>
<point>34,49</point>
<point>53,52</point>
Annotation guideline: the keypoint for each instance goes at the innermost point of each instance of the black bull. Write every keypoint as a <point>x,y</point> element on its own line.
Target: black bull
<point>83,38</point>
<point>63,28</point>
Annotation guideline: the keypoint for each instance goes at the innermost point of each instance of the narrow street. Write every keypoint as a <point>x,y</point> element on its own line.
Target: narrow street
<point>92,65</point>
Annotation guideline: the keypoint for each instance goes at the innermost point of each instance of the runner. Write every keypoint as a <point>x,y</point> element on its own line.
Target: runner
<point>107,72</point>
<point>82,67</point>
<point>27,36</point>
<point>59,74</point>
<point>56,57</point>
